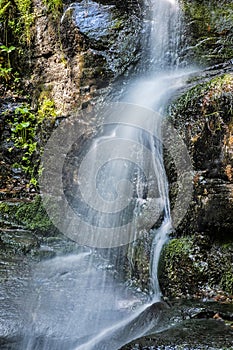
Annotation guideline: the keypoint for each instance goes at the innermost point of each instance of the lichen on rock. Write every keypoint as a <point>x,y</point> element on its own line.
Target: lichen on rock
<point>209,31</point>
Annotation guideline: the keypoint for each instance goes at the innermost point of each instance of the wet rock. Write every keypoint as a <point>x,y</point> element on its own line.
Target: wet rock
<point>137,262</point>
<point>209,31</point>
<point>84,50</point>
<point>185,331</point>
<point>195,266</point>
<point>200,257</point>
<point>29,215</point>
<point>19,239</point>
<point>203,118</point>
<point>199,335</point>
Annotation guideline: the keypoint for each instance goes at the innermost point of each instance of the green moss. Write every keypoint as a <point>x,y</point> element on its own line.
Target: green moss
<point>189,264</point>
<point>183,267</point>
<point>173,252</point>
<point>227,280</point>
<point>54,7</point>
<point>118,24</point>
<point>211,30</point>
<point>30,215</point>
<point>26,17</point>
<point>206,99</point>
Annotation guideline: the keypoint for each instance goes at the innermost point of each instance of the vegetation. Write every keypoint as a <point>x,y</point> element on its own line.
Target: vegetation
<point>31,215</point>
<point>54,6</point>
<point>26,127</point>
<point>17,18</point>
<point>208,93</point>
<point>178,267</point>
<point>189,264</point>
<point>210,30</point>
<point>227,281</point>
<point>208,105</point>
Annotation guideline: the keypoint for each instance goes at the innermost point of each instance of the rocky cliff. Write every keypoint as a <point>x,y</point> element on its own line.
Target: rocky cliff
<point>201,257</point>
<point>74,54</point>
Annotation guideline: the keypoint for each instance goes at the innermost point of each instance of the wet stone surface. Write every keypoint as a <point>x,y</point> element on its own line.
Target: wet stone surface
<point>182,324</point>
<point>109,31</point>
<point>193,326</point>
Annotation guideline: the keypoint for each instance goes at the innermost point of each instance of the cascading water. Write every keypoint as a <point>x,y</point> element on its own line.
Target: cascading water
<point>77,301</point>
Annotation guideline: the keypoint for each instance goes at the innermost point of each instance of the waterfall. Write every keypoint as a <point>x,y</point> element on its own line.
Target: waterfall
<point>159,79</point>
<point>80,301</point>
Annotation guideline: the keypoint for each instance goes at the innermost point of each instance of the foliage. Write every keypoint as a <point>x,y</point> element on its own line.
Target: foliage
<point>227,281</point>
<point>5,73</point>
<point>4,7</point>
<point>54,6</point>
<point>46,109</point>
<point>26,17</point>
<point>17,17</point>
<point>5,67</point>
<point>25,129</point>
<point>23,134</point>
<point>206,95</point>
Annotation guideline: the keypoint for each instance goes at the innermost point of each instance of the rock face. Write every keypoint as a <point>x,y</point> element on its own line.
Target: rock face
<point>208,31</point>
<point>197,267</point>
<point>74,61</point>
<point>203,117</point>
<point>201,257</point>
<point>74,53</point>
<point>79,54</point>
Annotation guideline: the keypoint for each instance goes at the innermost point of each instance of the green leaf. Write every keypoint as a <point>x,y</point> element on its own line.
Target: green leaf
<point>21,110</point>
<point>4,8</point>
<point>25,124</point>
<point>7,49</point>
<point>33,181</point>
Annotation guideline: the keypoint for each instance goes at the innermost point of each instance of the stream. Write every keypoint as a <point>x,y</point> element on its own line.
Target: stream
<point>80,300</point>
<point>186,324</point>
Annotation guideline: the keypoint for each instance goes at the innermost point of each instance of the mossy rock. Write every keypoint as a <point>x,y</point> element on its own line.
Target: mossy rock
<point>203,117</point>
<point>209,27</point>
<point>179,271</point>
<point>28,215</point>
<point>137,262</point>
<point>227,280</point>
<point>188,265</point>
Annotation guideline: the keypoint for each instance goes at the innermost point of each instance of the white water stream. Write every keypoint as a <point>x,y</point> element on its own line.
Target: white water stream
<point>77,302</point>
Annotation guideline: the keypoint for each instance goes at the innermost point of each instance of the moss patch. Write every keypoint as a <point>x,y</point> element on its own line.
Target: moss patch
<point>180,271</point>
<point>29,215</point>
<point>210,27</point>
<point>190,265</point>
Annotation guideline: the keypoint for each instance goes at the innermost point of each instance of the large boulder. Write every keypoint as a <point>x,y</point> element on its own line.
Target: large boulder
<point>78,53</point>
